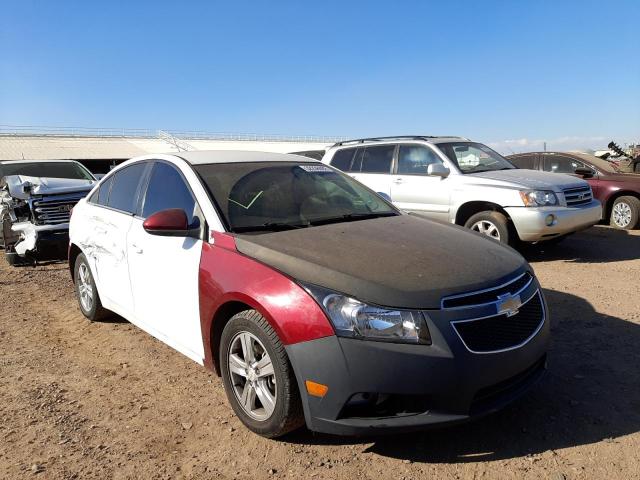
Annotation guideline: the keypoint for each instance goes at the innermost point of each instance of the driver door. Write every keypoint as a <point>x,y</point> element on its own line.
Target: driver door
<point>413,190</point>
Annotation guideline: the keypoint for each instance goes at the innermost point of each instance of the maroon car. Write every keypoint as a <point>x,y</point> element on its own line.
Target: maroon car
<point>618,192</point>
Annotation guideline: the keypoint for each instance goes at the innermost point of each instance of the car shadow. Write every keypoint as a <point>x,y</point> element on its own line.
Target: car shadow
<point>599,244</point>
<point>589,395</point>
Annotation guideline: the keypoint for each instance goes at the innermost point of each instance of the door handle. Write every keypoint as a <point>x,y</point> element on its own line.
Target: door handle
<point>136,248</point>
<point>398,180</point>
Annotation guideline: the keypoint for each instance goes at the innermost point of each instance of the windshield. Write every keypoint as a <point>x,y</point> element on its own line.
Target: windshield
<point>471,157</point>
<point>70,170</point>
<point>272,196</point>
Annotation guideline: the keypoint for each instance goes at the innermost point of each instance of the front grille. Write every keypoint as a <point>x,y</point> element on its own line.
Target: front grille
<point>578,196</point>
<point>502,332</point>
<point>55,209</point>
<point>513,287</point>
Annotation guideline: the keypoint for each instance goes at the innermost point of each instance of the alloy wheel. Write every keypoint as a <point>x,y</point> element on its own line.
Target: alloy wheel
<point>622,214</point>
<point>85,288</point>
<point>252,376</point>
<point>486,228</point>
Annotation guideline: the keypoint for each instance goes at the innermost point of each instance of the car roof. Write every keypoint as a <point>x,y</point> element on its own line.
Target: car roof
<point>401,139</point>
<point>582,155</point>
<point>203,157</point>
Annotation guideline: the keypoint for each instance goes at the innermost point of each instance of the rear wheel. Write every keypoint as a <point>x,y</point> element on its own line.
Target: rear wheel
<point>625,213</point>
<point>492,224</point>
<point>87,292</point>
<point>258,377</point>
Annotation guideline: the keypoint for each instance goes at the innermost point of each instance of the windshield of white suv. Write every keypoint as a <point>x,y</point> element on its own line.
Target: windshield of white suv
<point>71,170</point>
<point>471,157</point>
<point>273,196</point>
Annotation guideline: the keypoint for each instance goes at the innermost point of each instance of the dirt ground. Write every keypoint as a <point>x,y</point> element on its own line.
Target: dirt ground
<point>105,400</point>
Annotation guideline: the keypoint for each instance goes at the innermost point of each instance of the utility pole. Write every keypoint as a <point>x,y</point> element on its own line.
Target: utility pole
<point>545,146</point>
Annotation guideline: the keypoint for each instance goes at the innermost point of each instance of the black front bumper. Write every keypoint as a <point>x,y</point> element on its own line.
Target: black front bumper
<point>50,245</point>
<point>53,244</point>
<point>377,387</point>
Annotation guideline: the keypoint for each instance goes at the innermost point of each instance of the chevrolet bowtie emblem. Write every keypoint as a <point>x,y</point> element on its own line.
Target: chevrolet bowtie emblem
<point>508,304</point>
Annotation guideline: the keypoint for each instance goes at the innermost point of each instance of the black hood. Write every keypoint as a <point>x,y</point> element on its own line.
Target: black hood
<point>402,261</point>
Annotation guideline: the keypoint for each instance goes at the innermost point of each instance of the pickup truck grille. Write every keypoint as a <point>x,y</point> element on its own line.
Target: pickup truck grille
<point>491,295</point>
<point>578,196</point>
<point>55,209</point>
<point>502,332</point>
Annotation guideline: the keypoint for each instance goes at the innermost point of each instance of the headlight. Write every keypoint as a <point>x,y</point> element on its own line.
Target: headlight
<point>352,318</point>
<point>538,198</point>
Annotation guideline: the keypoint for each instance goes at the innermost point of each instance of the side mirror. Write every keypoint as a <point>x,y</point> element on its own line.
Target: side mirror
<point>438,170</point>
<point>385,196</point>
<point>584,172</point>
<point>172,222</point>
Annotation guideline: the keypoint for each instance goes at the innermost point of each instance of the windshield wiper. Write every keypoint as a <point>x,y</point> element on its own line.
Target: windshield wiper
<point>352,217</point>
<point>270,227</point>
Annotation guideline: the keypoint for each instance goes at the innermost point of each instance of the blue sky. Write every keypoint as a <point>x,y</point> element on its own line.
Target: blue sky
<point>523,72</point>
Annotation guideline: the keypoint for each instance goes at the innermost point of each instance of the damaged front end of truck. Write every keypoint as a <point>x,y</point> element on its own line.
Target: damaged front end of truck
<point>35,213</point>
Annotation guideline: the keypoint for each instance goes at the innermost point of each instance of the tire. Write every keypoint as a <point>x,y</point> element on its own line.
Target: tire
<point>492,224</point>
<point>625,213</point>
<point>248,331</point>
<point>85,285</point>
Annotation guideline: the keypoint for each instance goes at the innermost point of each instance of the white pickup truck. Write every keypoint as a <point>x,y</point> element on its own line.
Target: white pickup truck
<point>467,183</point>
<point>36,198</point>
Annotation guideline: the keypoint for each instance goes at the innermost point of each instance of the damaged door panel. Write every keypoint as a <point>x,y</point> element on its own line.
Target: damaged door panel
<point>35,207</point>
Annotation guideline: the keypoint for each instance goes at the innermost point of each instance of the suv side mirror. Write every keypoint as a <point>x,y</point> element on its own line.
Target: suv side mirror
<point>385,196</point>
<point>584,172</point>
<point>172,222</point>
<point>438,170</point>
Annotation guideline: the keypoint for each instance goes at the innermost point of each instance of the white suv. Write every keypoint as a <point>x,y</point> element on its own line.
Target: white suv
<point>467,183</point>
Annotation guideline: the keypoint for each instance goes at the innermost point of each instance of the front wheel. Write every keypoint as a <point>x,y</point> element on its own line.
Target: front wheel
<point>87,292</point>
<point>258,377</point>
<point>625,213</point>
<point>492,224</point>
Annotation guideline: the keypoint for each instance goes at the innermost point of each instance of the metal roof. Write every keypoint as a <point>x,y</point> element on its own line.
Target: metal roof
<point>43,147</point>
<point>66,148</point>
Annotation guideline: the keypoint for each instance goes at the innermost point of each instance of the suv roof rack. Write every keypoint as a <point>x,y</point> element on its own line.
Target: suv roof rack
<point>395,137</point>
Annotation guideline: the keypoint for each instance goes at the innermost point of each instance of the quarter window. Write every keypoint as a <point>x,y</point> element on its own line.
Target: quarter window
<point>167,189</point>
<point>125,187</point>
<point>103,191</point>
<point>377,159</point>
<point>342,159</point>
<point>415,159</point>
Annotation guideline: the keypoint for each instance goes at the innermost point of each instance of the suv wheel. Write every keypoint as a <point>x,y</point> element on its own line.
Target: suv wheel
<point>492,224</point>
<point>258,377</point>
<point>625,213</point>
<point>87,292</point>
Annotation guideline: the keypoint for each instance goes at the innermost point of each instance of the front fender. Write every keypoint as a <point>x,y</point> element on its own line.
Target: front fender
<point>228,276</point>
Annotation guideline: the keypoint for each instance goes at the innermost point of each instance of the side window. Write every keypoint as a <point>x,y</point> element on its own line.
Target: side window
<point>559,164</point>
<point>167,189</point>
<point>415,159</point>
<point>377,159</point>
<point>125,186</point>
<point>103,192</point>
<point>342,159</point>
<point>524,161</point>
